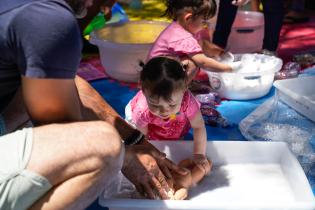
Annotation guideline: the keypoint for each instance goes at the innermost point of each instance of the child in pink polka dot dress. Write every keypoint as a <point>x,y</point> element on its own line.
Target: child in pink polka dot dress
<point>164,109</point>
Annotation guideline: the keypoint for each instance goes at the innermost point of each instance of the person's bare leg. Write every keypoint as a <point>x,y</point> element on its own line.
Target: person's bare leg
<point>210,49</point>
<point>79,160</point>
<point>255,5</point>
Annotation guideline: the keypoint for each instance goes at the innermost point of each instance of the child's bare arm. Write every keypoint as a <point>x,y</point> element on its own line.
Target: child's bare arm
<point>200,143</point>
<point>210,64</point>
<point>200,134</point>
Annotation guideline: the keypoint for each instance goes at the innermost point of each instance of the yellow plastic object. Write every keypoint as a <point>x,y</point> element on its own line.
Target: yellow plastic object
<point>141,32</point>
<point>151,10</point>
<point>122,46</point>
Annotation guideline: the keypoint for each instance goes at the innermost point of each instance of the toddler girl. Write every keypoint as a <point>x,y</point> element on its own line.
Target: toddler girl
<point>179,38</point>
<point>165,110</point>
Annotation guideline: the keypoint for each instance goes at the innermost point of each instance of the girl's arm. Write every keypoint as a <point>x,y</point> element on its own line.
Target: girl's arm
<point>200,143</point>
<point>200,134</point>
<point>210,64</point>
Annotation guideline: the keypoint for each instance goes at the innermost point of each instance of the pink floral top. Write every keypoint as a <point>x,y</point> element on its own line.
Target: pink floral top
<point>175,41</point>
<point>160,129</point>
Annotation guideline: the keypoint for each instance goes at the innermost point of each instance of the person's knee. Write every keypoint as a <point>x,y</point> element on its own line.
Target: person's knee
<point>107,145</point>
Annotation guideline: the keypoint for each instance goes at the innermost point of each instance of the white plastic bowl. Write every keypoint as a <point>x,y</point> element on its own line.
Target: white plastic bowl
<point>121,47</point>
<point>246,85</point>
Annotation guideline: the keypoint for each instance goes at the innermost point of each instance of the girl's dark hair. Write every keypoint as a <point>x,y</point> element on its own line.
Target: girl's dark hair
<point>205,8</point>
<point>161,76</point>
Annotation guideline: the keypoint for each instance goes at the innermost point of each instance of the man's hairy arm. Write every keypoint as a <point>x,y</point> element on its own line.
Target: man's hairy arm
<point>68,100</point>
<point>93,107</point>
<point>51,100</point>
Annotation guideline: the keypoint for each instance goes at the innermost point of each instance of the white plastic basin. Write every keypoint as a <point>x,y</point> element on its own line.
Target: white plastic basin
<point>121,47</point>
<point>246,85</point>
<point>299,94</point>
<point>246,175</point>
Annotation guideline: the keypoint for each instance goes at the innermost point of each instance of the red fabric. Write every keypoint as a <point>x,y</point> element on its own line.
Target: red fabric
<point>296,39</point>
<point>90,68</point>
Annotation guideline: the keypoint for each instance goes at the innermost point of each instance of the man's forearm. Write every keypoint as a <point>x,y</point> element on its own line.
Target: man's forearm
<point>94,107</point>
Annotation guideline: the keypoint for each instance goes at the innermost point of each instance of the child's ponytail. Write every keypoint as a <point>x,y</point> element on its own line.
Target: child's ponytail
<point>170,9</point>
<point>141,64</point>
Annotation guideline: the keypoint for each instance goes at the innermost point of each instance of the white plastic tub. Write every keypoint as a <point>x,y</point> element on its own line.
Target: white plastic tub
<point>247,83</point>
<point>247,32</point>
<point>121,47</point>
<point>246,175</point>
<point>298,93</point>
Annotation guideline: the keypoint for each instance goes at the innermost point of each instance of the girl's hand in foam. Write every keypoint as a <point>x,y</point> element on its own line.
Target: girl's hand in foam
<point>202,162</point>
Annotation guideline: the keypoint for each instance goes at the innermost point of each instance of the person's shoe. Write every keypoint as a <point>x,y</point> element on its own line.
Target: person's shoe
<point>268,52</point>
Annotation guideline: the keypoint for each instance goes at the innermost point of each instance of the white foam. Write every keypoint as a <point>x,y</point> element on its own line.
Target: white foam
<point>241,182</point>
<point>233,182</point>
<point>256,63</point>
